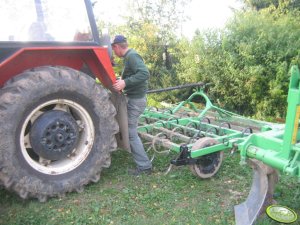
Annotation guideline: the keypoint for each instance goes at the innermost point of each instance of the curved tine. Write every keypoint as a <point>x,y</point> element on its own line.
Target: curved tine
<point>210,129</point>
<point>167,110</point>
<point>226,123</point>
<point>160,121</point>
<point>246,129</point>
<point>155,139</point>
<point>173,131</point>
<point>173,118</point>
<point>194,125</point>
<point>221,130</point>
<point>195,137</point>
<point>148,150</point>
<point>153,157</point>
<point>204,118</point>
<point>169,169</point>
<point>147,143</point>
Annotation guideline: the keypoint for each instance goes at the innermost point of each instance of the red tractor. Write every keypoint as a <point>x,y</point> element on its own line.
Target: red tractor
<point>57,125</point>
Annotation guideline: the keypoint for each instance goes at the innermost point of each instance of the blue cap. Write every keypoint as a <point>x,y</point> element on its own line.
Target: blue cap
<point>119,39</point>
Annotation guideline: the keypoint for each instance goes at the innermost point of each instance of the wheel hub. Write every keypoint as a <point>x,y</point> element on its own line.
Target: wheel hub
<point>208,163</point>
<point>54,135</point>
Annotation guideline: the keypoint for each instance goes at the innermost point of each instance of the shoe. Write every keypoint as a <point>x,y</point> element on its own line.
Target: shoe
<point>137,171</point>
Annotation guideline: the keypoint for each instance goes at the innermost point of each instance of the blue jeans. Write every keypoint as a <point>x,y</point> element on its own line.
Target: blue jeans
<point>135,107</point>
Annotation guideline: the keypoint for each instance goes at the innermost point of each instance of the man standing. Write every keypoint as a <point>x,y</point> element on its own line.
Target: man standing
<point>134,84</point>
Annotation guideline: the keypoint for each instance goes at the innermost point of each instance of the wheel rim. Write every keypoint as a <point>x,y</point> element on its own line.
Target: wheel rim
<point>77,156</point>
<point>208,165</point>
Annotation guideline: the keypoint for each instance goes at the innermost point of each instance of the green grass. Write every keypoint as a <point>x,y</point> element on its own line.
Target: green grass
<point>176,198</point>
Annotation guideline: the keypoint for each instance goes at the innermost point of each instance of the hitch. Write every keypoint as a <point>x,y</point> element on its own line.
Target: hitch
<point>184,157</point>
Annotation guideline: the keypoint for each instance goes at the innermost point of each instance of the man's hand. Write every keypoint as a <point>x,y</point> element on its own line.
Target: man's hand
<point>119,85</point>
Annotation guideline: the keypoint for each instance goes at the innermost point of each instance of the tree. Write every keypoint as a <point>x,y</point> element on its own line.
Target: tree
<point>260,4</point>
<point>278,4</point>
<point>166,15</point>
<point>247,63</point>
<point>262,47</point>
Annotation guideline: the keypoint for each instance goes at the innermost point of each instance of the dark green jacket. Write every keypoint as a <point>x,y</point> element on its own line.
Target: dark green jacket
<point>135,74</point>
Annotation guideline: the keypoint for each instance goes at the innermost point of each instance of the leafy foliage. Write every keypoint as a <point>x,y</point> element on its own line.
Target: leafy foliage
<point>279,4</point>
<point>248,62</point>
<point>261,50</point>
<point>165,15</point>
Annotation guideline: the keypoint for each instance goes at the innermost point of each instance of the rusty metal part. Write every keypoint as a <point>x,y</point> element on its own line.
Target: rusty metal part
<point>119,101</point>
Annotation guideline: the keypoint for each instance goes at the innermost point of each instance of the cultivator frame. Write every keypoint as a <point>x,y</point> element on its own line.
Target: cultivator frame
<point>180,127</point>
<point>200,135</point>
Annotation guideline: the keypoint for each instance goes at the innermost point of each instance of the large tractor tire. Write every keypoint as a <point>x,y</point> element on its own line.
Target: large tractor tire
<point>57,131</point>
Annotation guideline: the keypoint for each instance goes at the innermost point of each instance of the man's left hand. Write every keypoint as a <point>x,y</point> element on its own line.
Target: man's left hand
<point>119,85</point>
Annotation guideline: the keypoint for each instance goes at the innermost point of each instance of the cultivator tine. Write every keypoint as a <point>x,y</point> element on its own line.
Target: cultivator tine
<point>261,193</point>
<point>169,169</point>
<point>148,150</point>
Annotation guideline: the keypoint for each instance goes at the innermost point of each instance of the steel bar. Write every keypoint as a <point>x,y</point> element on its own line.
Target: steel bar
<point>200,84</point>
<point>160,141</point>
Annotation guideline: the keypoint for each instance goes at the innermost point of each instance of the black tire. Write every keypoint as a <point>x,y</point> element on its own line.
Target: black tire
<point>27,97</point>
<point>207,165</point>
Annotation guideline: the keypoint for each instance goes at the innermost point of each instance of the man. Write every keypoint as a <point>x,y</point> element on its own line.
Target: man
<point>134,84</point>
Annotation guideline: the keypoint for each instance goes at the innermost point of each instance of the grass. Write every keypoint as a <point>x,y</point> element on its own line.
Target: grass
<point>176,198</point>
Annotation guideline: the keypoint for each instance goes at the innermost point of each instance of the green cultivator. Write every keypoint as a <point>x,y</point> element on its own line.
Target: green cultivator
<point>200,136</point>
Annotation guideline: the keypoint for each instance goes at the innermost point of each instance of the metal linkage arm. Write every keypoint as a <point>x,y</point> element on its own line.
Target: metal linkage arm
<point>200,84</point>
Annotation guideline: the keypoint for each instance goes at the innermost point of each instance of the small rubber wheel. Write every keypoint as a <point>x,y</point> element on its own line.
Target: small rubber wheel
<point>207,165</point>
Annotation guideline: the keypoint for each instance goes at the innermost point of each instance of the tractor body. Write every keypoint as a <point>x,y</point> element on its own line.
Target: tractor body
<point>58,126</point>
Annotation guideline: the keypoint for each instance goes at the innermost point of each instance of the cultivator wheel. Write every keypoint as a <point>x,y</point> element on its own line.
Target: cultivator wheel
<point>208,165</point>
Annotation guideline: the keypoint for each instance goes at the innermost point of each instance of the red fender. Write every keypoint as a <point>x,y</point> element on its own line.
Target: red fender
<point>96,58</point>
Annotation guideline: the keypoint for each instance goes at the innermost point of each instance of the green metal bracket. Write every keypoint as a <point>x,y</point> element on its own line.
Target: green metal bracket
<point>278,147</point>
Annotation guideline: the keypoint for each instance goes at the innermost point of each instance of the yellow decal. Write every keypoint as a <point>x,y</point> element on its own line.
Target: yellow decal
<point>296,124</point>
<point>281,214</point>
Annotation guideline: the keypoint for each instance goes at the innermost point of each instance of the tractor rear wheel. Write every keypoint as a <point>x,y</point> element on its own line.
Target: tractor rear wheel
<point>208,165</point>
<point>57,131</point>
